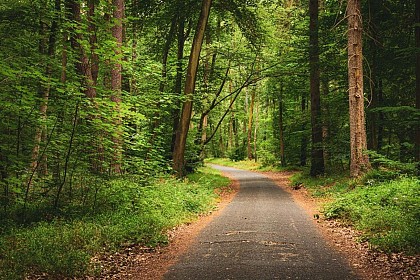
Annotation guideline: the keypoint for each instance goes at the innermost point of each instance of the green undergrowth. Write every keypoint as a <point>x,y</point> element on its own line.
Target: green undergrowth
<point>383,204</point>
<point>135,215</point>
<point>248,165</point>
<point>243,164</point>
<point>321,186</point>
<point>388,213</point>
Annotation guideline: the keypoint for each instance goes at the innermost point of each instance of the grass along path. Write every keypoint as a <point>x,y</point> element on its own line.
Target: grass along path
<point>136,216</point>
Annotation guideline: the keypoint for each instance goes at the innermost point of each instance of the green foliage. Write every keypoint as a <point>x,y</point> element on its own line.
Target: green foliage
<point>383,204</point>
<point>243,164</point>
<point>267,158</point>
<point>127,213</point>
<point>389,167</point>
<point>388,213</point>
<point>236,154</point>
<point>321,186</point>
<point>209,176</point>
<point>249,165</point>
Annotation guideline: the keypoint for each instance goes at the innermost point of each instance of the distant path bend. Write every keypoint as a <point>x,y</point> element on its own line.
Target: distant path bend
<point>261,234</point>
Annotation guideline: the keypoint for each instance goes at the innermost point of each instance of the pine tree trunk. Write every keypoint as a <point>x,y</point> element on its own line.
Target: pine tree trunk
<point>182,132</point>
<point>317,154</point>
<point>116,83</point>
<point>359,161</point>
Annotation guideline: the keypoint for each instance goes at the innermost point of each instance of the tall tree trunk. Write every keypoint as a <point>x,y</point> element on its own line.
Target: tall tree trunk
<point>359,161</point>
<point>182,132</point>
<point>326,123</point>
<point>304,139</point>
<point>317,154</point>
<point>178,79</point>
<point>281,129</point>
<point>87,69</point>
<point>256,127</point>
<point>83,67</point>
<point>250,118</point>
<point>417,142</point>
<point>116,83</point>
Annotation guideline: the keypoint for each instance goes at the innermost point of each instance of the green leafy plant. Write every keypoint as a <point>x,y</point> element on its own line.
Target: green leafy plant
<point>126,213</point>
<point>388,213</point>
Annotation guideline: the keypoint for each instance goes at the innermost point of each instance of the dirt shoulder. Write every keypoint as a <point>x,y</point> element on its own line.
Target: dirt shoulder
<point>366,262</point>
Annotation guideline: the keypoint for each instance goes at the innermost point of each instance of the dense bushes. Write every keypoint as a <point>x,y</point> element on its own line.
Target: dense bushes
<point>129,214</point>
<point>388,213</point>
<point>384,204</point>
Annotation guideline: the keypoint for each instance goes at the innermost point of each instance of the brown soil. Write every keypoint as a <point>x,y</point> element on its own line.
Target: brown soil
<point>151,264</point>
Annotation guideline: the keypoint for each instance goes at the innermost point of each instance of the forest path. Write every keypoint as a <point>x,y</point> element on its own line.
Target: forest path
<point>261,234</point>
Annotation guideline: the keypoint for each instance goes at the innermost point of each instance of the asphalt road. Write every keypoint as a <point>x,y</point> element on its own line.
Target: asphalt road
<point>261,234</point>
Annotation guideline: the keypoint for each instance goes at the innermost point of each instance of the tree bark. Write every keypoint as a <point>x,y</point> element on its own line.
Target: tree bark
<point>83,64</point>
<point>116,83</point>
<point>317,154</point>
<point>250,118</point>
<point>304,139</point>
<point>256,127</point>
<point>326,123</point>
<point>87,67</point>
<point>359,161</point>
<point>281,129</point>
<point>182,131</point>
<point>178,79</point>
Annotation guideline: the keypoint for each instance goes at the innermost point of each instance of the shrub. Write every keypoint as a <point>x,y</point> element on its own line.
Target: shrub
<point>388,213</point>
<point>126,213</point>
